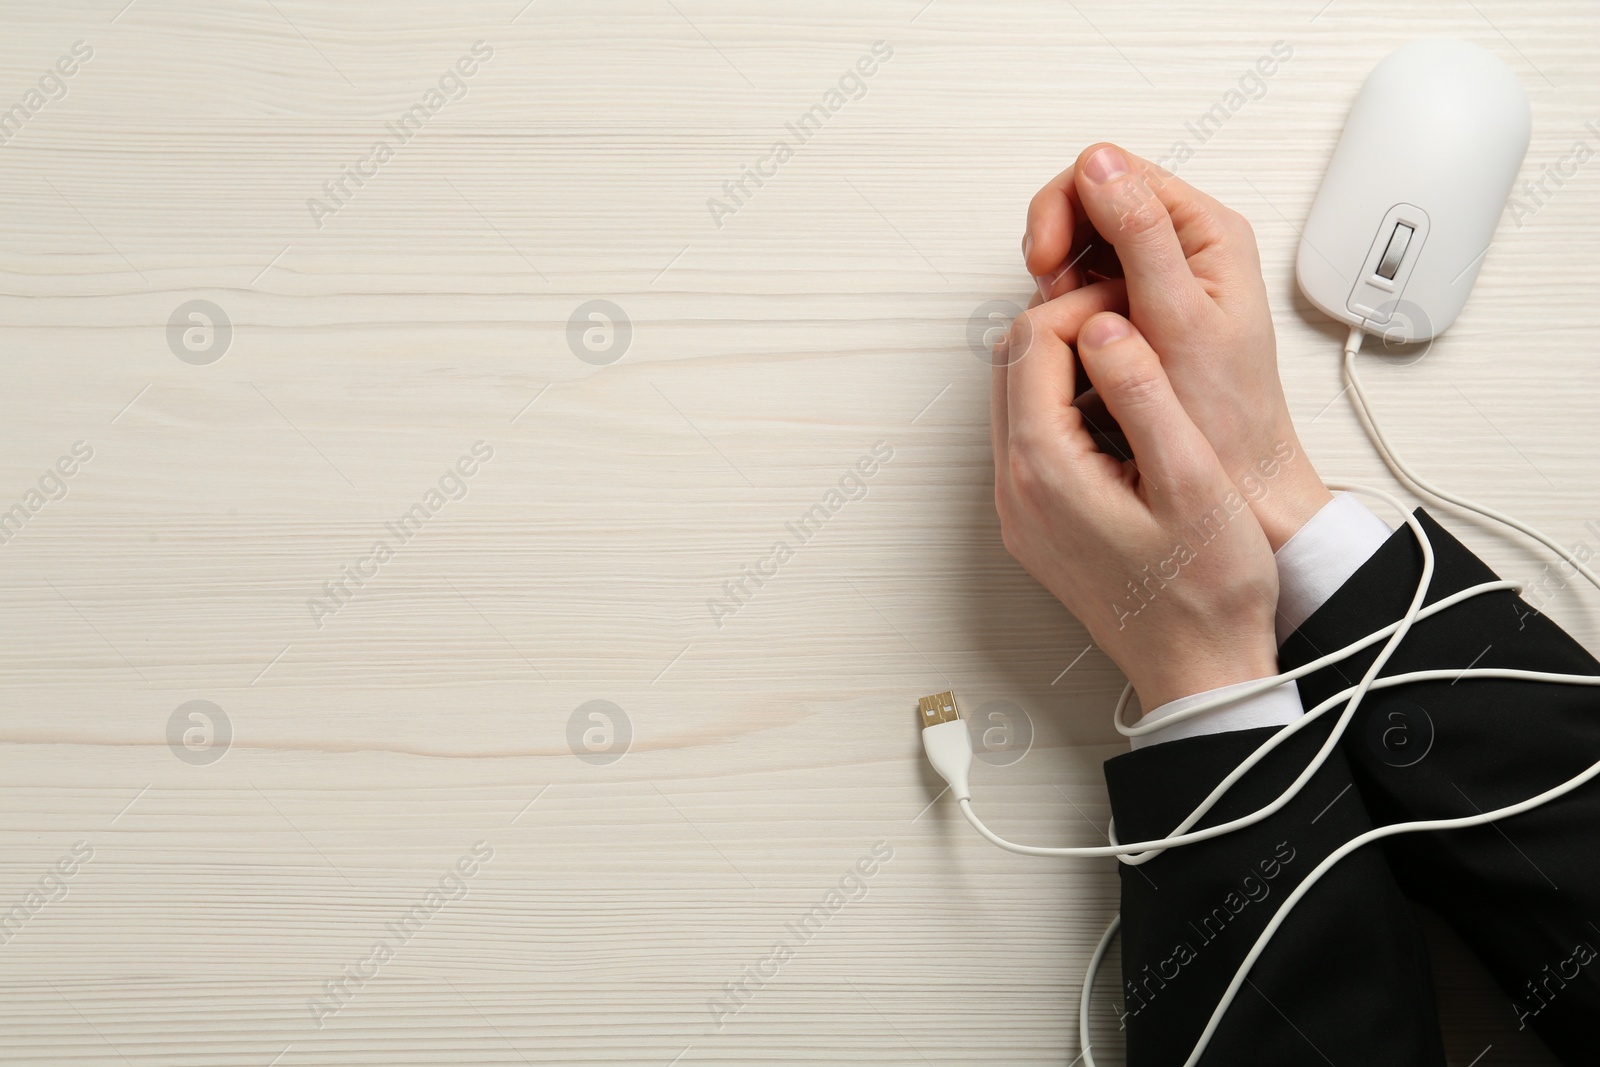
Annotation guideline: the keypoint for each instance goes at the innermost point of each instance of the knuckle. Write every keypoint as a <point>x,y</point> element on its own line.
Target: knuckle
<point>1023,469</point>
<point>1031,324</point>
<point>1240,237</point>
<point>1139,214</point>
<point>1019,338</point>
<point>1008,538</point>
<point>1030,478</point>
<point>1242,228</point>
<point>1010,533</point>
<point>1137,382</point>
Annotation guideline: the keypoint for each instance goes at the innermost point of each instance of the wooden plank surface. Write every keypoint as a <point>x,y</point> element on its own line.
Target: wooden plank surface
<point>376,723</point>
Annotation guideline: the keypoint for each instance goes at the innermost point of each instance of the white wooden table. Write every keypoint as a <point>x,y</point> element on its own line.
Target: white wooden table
<point>233,861</point>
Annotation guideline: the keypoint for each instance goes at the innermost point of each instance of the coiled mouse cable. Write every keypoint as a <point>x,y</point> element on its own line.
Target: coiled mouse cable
<point>949,746</point>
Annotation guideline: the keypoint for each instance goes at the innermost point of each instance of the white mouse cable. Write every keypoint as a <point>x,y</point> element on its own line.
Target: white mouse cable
<point>1386,450</point>
<point>949,746</point>
<point>1389,681</point>
<point>1380,441</point>
<point>949,749</point>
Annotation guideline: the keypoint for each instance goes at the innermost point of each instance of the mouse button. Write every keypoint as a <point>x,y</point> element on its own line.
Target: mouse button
<point>1392,254</point>
<point>1395,251</point>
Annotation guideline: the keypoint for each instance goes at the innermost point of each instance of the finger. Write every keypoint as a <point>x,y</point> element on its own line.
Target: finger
<point>1060,231</point>
<point>1203,223</point>
<point>1056,283</point>
<point>1060,249</point>
<point>1053,214</point>
<point>1108,436</point>
<point>1128,377</point>
<point>1121,201</point>
<point>1096,416</point>
<point>999,429</point>
<point>1114,445</point>
<point>1040,372</point>
<point>1090,279</point>
<point>1218,241</point>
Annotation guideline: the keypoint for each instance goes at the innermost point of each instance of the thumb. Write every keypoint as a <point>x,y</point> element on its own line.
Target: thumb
<point>1122,204</point>
<point>1168,450</point>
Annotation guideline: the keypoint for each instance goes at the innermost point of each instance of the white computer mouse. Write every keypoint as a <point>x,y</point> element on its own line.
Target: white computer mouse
<point>1415,189</point>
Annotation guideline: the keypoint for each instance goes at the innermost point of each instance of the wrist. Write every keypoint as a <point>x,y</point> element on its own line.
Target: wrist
<point>1283,489</point>
<point>1281,517</point>
<point>1183,673</point>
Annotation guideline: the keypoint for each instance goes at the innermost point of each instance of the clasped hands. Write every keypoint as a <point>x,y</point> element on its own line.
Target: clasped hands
<point>1147,481</point>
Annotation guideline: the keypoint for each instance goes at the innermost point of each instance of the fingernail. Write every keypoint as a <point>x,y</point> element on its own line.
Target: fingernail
<point>1043,282</point>
<point>1104,330</point>
<point>1027,246</point>
<point>1104,165</point>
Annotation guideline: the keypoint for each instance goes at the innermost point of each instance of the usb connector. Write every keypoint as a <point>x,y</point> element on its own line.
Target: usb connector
<point>941,707</point>
<point>945,738</point>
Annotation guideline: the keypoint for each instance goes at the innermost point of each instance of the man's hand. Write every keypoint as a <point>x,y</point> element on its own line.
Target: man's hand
<point>1158,555</point>
<point>1194,289</point>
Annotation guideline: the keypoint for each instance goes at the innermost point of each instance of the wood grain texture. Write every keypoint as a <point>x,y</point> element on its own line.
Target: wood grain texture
<point>369,753</point>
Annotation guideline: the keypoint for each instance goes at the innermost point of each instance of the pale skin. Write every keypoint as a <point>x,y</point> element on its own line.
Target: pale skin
<point>1181,354</point>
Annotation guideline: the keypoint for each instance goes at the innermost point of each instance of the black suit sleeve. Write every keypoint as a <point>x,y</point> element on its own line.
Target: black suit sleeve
<point>1345,980</point>
<point>1524,894</point>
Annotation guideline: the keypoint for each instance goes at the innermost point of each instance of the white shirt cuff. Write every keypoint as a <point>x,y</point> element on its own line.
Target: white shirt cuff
<point>1321,557</point>
<point>1275,707</point>
<point>1312,565</point>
